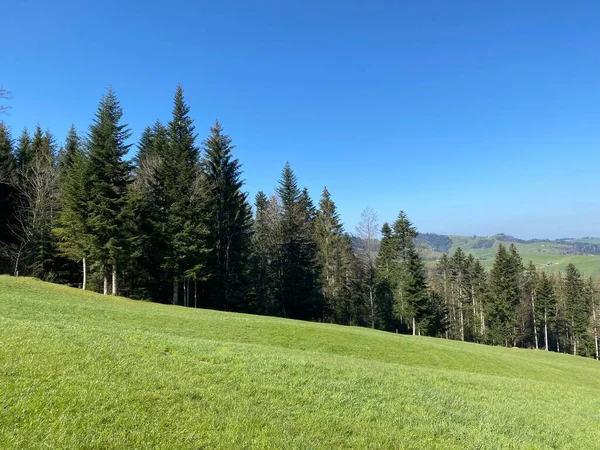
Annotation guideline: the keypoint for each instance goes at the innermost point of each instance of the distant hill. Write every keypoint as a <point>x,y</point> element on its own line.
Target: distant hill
<point>550,254</point>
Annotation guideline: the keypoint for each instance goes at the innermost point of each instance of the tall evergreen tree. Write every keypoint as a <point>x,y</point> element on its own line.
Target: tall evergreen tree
<point>186,216</point>
<point>299,288</point>
<point>578,306</point>
<point>108,178</point>
<point>329,238</point>
<point>229,229</point>
<point>546,307</point>
<point>72,227</point>
<point>388,272</point>
<point>8,175</point>
<point>504,295</point>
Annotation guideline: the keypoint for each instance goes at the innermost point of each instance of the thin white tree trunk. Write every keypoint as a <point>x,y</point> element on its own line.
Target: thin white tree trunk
<point>114,278</point>
<point>84,285</point>
<point>105,290</point>
<point>546,330</point>
<point>595,329</point>
<point>534,323</point>
<point>372,300</point>
<point>175,291</point>
<point>414,327</point>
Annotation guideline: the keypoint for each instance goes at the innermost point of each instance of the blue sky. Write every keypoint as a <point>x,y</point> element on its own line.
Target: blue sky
<point>474,117</point>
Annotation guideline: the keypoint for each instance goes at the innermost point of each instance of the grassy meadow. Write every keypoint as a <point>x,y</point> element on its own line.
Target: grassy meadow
<point>80,370</point>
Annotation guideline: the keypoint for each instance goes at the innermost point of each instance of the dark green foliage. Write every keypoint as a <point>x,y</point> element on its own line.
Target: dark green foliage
<point>72,226</point>
<point>8,193</point>
<point>229,228</point>
<point>185,215</point>
<point>108,178</point>
<point>299,294</point>
<point>504,294</point>
<point>578,307</point>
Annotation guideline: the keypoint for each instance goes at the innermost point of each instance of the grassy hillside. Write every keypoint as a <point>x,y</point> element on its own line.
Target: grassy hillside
<point>82,370</point>
<point>552,256</point>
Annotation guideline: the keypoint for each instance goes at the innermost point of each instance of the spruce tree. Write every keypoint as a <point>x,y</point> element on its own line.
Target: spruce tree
<point>504,296</point>
<point>545,307</point>
<point>388,272</point>
<point>578,306</point>
<point>108,178</point>
<point>412,300</point>
<point>186,217</point>
<point>229,229</point>
<point>329,238</point>
<point>299,288</point>
<point>146,217</point>
<point>8,169</point>
<point>72,227</point>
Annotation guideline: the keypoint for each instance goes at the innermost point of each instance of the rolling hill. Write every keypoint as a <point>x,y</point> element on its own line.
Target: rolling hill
<point>551,255</point>
<point>80,370</point>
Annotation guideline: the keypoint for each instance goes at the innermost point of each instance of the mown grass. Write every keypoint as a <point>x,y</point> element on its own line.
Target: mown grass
<point>79,370</point>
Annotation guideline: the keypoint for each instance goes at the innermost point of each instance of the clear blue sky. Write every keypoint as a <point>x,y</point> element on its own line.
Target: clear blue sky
<point>474,117</point>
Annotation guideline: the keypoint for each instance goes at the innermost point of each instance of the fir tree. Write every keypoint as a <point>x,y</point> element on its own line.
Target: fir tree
<point>186,217</point>
<point>298,293</point>
<point>330,253</point>
<point>8,175</point>
<point>578,306</point>
<point>72,227</point>
<point>388,272</point>
<point>108,178</point>
<point>545,307</point>
<point>229,230</point>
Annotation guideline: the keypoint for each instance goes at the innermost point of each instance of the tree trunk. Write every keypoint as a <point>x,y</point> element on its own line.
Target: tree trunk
<point>414,326</point>
<point>546,330</point>
<point>84,285</point>
<point>175,291</point>
<point>595,328</point>
<point>185,292</point>
<point>533,318</point>
<point>114,278</point>
<point>105,290</point>
<point>574,346</point>
<point>372,300</point>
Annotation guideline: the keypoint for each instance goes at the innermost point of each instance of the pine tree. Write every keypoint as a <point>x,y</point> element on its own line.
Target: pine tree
<point>531,291</point>
<point>72,227</point>
<point>412,300</point>
<point>146,217</point>
<point>8,169</point>
<point>229,230</point>
<point>299,288</point>
<point>329,238</point>
<point>546,306</point>
<point>264,244</point>
<point>186,216</point>
<point>578,306</point>
<point>108,178</point>
<point>23,150</point>
<point>504,296</point>
<point>388,272</point>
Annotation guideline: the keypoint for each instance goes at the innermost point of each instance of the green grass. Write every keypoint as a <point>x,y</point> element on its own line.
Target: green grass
<point>549,256</point>
<point>79,370</point>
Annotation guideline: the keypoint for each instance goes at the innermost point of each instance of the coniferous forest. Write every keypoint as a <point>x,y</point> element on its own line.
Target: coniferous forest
<point>174,225</point>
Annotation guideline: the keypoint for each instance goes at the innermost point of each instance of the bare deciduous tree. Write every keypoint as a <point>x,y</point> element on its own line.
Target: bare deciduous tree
<point>5,94</point>
<point>367,231</point>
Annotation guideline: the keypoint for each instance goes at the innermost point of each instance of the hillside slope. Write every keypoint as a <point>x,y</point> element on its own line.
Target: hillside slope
<point>550,255</point>
<point>81,370</point>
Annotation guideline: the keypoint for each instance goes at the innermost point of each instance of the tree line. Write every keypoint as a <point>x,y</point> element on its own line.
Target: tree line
<point>174,225</point>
